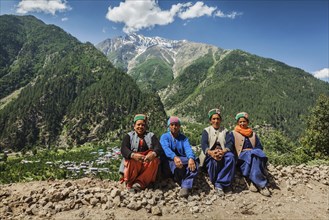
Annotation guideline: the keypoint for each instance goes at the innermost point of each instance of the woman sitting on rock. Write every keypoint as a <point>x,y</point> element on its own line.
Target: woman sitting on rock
<point>251,158</point>
<point>140,150</point>
<point>179,158</point>
<point>219,159</point>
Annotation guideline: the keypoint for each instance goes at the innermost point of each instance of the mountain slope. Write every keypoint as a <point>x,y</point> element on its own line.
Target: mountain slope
<point>55,89</point>
<point>197,77</point>
<point>152,62</point>
<point>270,91</point>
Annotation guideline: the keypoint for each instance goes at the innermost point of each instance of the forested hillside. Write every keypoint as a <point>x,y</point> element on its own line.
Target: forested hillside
<point>271,91</point>
<point>192,78</point>
<point>56,90</point>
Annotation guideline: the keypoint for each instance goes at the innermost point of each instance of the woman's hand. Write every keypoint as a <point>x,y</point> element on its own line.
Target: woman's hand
<point>216,154</point>
<point>150,156</point>
<point>178,162</point>
<point>138,157</point>
<point>191,164</point>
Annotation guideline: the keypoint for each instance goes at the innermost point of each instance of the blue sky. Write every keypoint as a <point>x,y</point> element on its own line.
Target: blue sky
<point>295,32</point>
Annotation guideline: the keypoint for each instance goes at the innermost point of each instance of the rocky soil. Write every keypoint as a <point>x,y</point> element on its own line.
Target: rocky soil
<point>298,192</point>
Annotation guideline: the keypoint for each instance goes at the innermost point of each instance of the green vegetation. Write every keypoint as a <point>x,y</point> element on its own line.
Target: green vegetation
<point>153,74</point>
<point>48,164</point>
<point>187,82</point>
<point>69,92</point>
<point>316,137</point>
<point>272,92</point>
<point>313,145</point>
<point>281,150</point>
<point>311,148</point>
<point>65,93</point>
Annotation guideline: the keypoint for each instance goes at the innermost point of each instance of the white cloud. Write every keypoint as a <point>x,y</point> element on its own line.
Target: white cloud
<point>199,9</point>
<point>65,19</point>
<point>231,15</point>
<point>46,6</point>
<point>322,74</point>
<point>137,15</point>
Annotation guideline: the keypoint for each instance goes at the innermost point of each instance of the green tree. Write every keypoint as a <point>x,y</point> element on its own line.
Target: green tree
<point>5,157</point>
<point>316,136</point>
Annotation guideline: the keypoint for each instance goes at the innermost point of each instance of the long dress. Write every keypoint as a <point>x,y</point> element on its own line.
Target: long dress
<point>221,173</point>
<point>252,162</point>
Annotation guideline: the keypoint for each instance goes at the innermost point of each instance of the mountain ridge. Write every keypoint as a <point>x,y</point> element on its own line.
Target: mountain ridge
<point>197,71</point>
<point>70,93</point>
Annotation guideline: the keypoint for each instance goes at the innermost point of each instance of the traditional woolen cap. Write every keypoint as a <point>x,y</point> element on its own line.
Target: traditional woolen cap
<point>213,111</point>
<point>140,117</point>
<point>242,115</point>
<point>173,119</point>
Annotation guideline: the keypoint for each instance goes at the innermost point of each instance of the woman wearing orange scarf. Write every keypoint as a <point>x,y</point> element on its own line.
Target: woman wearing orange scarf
<point>251,158</point>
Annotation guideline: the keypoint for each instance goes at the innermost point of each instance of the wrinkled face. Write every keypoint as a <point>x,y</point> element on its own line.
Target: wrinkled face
<point>243,123</point>
<point>174,128</point>
<point>140,127</point>
<point>215,121</point>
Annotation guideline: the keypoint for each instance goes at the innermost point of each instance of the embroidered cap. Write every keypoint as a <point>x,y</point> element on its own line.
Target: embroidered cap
<point>242,115</point>
<point>140,117</point>
<point>213,111</point>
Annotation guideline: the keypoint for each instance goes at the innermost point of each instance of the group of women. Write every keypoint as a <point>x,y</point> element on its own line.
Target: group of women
<point>222,153</point>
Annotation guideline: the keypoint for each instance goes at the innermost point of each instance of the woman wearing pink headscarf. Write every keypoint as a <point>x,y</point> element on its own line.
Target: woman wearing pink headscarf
<point>179,157</point>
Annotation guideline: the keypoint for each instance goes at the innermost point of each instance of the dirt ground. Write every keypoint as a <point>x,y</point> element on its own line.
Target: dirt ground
<point>302,201</point>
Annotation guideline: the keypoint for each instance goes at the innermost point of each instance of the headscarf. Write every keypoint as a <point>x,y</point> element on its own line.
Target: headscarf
<point>214,111</point>
<point>173,119</point>
<point>140,117</point>
<point>242,115</point>
<point>247,132</point>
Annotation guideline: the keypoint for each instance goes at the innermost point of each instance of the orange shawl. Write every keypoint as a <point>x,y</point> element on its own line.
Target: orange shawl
<point>247,132</point>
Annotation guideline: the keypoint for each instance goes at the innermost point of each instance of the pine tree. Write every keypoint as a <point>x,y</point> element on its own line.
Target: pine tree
<point>316,137</point>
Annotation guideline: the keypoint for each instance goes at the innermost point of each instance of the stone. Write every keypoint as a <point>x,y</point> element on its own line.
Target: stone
<point>8,209</point>
<point>42,213</point>
<point>148,208</point>
<point>104,198</point>
<point>68,184</point>
<point>43,201</point>
<point>88,197</point>
<point>28,200</point>
<point>84,202</point>
<point>148,195</point>
<point>151,201</point>
<point>156,210</point>
<point>144,201</point>
<point>134,205</point>
<point>93,201</point>
<point>115,193</point>
<point>66,192</point>
<point>56,197</point>
<point>117,201</point>
<point>49,205</point>
<point>309,186</point>
<point>58,207</point>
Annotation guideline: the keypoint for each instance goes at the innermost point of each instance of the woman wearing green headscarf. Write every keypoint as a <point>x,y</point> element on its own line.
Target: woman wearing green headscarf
<point>219,158</point>
<point>140,150</point>
<point>251,158</point>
